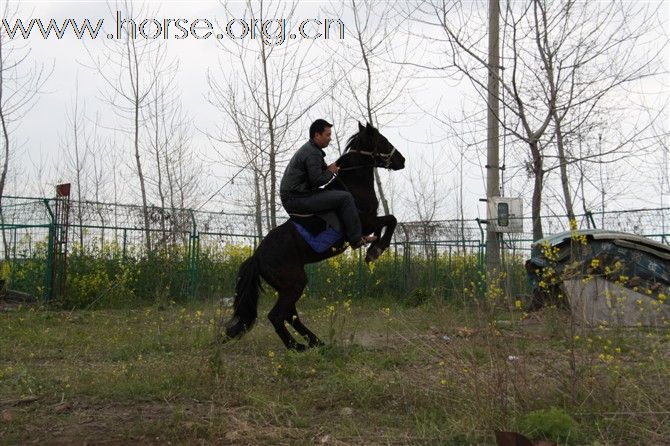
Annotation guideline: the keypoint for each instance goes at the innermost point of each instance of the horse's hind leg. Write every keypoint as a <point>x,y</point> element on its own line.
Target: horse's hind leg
<point>279,315</point>
<point>285,311</point>
<point>305,332</point>
<point>290,287</point>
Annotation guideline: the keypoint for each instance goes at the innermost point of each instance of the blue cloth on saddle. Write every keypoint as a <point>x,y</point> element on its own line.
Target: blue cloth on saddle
<point>322,241</point>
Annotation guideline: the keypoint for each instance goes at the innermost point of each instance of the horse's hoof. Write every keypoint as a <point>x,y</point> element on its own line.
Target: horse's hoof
<point>298,347</point>
<point>222,339</point>
<point>373,254</point>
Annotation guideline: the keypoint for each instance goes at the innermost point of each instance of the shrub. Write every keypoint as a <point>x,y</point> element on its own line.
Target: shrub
<point>553,424</point>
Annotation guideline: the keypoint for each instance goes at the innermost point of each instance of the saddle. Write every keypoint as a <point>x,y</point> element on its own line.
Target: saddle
<point>321,230</point>
<point>318,222</point>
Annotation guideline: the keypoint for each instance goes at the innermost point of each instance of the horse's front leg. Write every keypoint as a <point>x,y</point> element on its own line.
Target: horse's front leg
<point>378,247</point>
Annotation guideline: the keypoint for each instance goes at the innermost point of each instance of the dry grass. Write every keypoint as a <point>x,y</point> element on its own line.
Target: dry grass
<point>388,376</point>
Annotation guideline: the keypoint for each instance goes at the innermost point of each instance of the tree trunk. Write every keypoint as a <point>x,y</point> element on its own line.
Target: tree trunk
<point>565,181</point>
<point>368,102</point>
<point>145,211</point>
<point>159,170</point>
<point>5,163</point>
<point>258,205</point>
<point>536,204</point>
<point>176,225</point>
<point>77,168</point>
<point>272,203</point>
<point>5,166</point>
<point>135,79</point>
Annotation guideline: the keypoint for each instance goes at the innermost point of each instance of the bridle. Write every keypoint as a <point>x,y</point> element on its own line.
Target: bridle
<point>384,157</point>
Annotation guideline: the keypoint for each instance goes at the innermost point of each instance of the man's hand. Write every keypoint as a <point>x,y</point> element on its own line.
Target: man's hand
<point>333,168</point>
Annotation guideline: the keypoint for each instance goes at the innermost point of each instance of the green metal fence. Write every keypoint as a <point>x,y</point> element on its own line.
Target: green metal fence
<point>197,254</point>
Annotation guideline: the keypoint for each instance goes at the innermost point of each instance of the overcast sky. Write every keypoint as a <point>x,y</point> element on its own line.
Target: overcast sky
<point>42,130</point>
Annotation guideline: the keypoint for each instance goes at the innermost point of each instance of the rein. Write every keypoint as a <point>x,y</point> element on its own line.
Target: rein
<point>386,157</point>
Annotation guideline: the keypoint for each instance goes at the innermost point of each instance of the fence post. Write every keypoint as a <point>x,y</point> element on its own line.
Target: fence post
<point>48,285</point>
<point>406,265</point>
<point>13,242</point>
<point>125,236</point>
<point>589,216</point>
<point>481,256</point>
<point>395,259</point>
<point>360,272</point>
<point>194,246</point>
<point>450,275</point>
<point>433,281</point>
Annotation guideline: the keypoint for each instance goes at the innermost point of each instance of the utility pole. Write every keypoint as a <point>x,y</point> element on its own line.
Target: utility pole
<point>492,140</point>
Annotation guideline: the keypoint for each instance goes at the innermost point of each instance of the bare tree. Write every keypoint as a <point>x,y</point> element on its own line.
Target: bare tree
<point>370,80</point>
<point>264,100</point>
<point>427,198</point>
<point>581,80</point>
<point>99,149</point>
<point>586,54</point>
<point>76,148</point>
<point>130,68</point>
<point>184,168</point>
<point>21,82</point>
<point>157,142</point>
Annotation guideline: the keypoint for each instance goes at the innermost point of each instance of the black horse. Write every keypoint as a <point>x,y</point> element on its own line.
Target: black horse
<point>281,256</point>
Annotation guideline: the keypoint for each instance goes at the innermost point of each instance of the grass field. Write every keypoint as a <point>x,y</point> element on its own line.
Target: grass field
<point>437,373</point>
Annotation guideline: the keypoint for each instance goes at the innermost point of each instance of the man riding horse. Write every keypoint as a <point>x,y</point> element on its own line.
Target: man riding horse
<point>307,172</point>
<point>281,256</point>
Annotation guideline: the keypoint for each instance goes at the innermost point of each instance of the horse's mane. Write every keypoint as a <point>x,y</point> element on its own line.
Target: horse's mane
<point>351,142</point>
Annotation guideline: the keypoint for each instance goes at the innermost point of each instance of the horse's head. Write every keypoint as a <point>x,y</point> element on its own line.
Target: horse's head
<point>368,141</point>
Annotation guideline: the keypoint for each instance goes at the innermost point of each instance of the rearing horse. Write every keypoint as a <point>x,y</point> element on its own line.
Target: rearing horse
<point>281,256</point>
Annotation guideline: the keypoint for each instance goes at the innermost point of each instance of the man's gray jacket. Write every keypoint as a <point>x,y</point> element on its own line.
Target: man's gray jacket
<point>306,171</point>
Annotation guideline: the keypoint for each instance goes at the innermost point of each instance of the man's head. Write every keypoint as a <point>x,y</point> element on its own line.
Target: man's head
<point>320,132</point>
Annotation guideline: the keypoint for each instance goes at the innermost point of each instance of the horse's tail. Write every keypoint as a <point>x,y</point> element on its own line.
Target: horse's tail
<point>247,289</point>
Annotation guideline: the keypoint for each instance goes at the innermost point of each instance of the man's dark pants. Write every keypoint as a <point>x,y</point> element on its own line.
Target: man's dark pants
<point>326,200</point>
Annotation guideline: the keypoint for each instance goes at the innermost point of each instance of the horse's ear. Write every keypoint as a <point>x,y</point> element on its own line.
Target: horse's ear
<point>360,127</point>
<point>370,126</point>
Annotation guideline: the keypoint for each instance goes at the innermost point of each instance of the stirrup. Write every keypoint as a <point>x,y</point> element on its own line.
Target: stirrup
<point>300,215</point>
<point>366,239</point>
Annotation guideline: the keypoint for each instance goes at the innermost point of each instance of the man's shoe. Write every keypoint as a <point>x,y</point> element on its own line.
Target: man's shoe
<point>363,241</point>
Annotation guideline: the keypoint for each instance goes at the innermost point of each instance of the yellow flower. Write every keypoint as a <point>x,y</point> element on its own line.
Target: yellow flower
<point>517,304</point>
<point>573,224</point>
